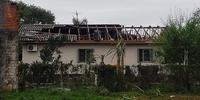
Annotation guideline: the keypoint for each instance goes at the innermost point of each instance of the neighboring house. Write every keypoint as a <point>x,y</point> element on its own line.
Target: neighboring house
<point>96,39</point>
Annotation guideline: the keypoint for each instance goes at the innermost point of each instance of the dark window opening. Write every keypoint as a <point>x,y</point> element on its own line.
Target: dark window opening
<point>85,54</point>
<point>145,55</point>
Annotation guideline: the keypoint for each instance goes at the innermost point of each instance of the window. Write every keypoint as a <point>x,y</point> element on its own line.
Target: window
<point>145,55</point>
<point>85,54</point>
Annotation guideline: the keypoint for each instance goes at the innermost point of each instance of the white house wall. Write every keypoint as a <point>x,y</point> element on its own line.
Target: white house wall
<point>70,52</point>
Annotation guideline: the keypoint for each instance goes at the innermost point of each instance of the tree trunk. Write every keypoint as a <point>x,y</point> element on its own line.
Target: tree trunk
<point>118,62</point>
<point>61,76</point>
<point>186,71</point>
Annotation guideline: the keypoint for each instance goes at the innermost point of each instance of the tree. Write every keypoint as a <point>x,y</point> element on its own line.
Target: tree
<point>76,21</point>
<point>30,14</point>
<point>179,45</point>
<point>48,52</point>
<point>179,41</point>
<point>51,54</point>
<point>3,1</point>
<point>118,51</point>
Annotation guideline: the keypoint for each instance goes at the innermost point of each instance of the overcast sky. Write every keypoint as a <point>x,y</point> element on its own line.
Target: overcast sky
<point>126,12</point>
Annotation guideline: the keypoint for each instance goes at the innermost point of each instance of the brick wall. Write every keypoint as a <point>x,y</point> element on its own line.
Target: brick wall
<point>8,17</point>
<point>8,47</point>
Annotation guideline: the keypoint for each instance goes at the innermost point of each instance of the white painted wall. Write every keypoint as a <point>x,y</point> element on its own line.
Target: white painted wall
<point>70,52</point>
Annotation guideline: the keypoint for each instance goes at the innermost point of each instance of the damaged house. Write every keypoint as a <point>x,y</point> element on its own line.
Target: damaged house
<point>96,39</point>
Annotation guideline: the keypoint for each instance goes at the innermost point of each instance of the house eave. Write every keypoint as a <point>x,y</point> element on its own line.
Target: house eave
<point>88,42</point>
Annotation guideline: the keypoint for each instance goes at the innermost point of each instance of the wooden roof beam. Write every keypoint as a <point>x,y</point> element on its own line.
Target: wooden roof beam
<point>107,33</point>
<point>88,31</point>
<point>146,32</point>
<point>118,33</point>
<point>125,33</point>
<point>137,32</point>
<point>130,35</point>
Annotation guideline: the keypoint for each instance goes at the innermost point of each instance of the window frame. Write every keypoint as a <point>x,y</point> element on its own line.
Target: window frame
<point>142,59</point>
<point>86,52</point>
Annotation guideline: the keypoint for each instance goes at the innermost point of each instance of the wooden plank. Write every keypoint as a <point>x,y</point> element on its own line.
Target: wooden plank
<point>88,31</point>
<point>94,27</point>
<point>137,32</point>
<point>155,33</point>
<point>79,36</point>
<point>146,33</point>
<point>107,33</point>
<point>69,30</point>
<point>118,33</point>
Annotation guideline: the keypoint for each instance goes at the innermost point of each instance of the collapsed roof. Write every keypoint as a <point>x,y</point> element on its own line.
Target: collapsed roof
<point>87,33</point>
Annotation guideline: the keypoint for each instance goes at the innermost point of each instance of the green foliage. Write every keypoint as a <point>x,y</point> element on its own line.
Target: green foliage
<point>145,75</point>
<point>118,51</point>
<point>184,77</point>
<point>90,94</point>
<point>179,36</point>
<point>179,46</point>
<point>76,21</point>
<point>47,53</point>
<point>30,14</point>
<point>56,41</point>
<point>23,70</point>
<point>3,1</point>
<point>110,79</point>
<point>36,72</point>
<point>102,91</point>
<point>42,73</point>
<point>107,76</point>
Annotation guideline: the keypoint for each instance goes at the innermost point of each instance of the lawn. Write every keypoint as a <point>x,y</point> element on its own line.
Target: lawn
<point>88,94</point>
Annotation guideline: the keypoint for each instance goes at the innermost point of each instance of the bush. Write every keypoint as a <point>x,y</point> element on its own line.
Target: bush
<point>102,91</point>
<point>184,76</point>
<point>42,73</point>
<point>36,72</point>
<point>147,75</point>
<point>109,78</point>
<point>23,70</point>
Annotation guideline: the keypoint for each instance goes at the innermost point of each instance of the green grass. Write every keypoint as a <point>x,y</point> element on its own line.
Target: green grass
<point>54,94</point>
<point>88,94</point>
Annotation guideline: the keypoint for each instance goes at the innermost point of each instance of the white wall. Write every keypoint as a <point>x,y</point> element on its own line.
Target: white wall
<point>70,52</point>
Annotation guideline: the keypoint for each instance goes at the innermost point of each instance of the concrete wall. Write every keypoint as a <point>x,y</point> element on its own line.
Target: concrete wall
<point>70,52</point>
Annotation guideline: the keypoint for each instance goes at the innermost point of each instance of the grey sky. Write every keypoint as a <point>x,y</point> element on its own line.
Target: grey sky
<point>126,12</point>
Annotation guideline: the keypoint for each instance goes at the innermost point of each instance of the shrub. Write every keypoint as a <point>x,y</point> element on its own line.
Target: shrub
<point>184,76</point>
<point>23,70</point>
<point>109,78</point>
<point>102,91</point>
<point>147,75</point>
<point>42,73</point>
